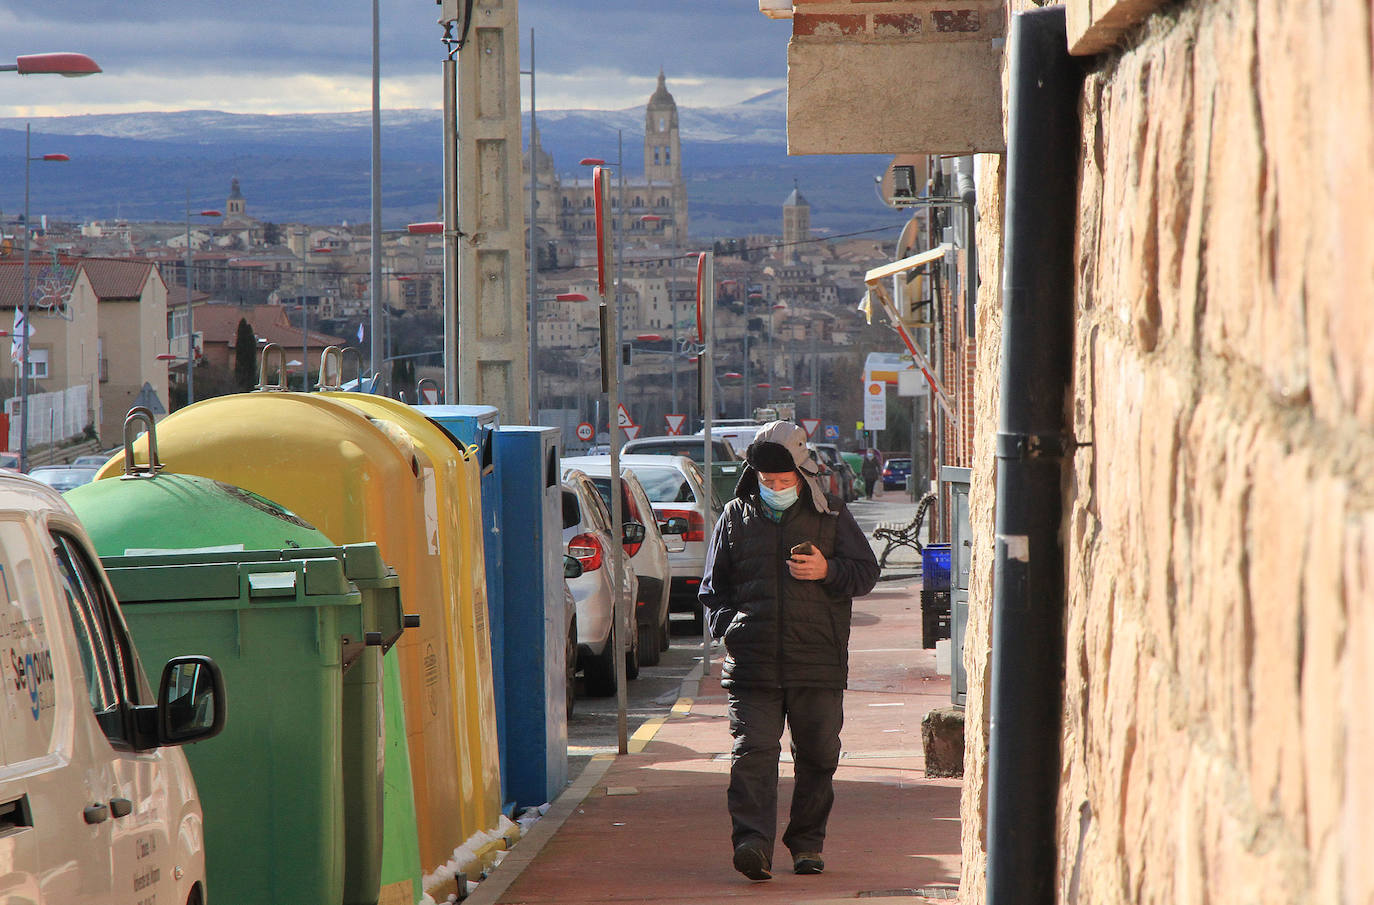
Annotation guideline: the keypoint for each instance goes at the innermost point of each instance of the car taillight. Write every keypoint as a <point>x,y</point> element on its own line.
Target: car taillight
<point>696,525</point>
<point>586,549</point>
<point>632,549</point>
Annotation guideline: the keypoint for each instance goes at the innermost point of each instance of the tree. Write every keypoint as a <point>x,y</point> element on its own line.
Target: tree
<point>245,358</point>
<point>271,234</point>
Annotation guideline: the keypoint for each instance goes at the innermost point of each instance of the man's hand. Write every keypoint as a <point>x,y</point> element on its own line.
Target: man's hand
<point>808,566</point>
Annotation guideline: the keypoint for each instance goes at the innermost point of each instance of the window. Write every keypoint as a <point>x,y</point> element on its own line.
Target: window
<point>657,155</point>
<point>113,678</point>
<point>38,362</point>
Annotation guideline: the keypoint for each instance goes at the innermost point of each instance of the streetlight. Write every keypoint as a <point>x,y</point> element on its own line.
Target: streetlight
<point>71,65</point>
<point>24,305</point>
<point>672,295</point>
<point>190,312</point>
<point>620,245</point>
<point>534,327</point>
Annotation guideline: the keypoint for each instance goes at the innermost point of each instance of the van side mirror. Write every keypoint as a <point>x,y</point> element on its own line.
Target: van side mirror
<point>633,533</point>
<point>190,701</point>
<point>675,525</point>
<point>572,566</point>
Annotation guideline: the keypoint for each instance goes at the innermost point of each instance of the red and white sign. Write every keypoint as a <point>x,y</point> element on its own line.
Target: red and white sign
<point>631,431</point>
<point>675,423</point>
<point>585,432</point>
<point>622,416</point>
<point>430,394</point>
<point>811,425</point>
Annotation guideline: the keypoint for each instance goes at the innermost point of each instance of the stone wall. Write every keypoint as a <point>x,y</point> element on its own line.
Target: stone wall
<point>1218,728</point>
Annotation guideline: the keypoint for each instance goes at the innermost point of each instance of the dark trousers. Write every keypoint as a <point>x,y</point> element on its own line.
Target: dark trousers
<point>815,716</point>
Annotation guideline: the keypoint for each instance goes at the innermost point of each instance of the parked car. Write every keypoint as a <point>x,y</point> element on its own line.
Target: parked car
<point>94,788</point>
<point>587,536</point>
<point>895,472</point>
<point>572,568</point>
<point>98,459</point>
<point>9,460</point>
<point>739,434</point>
<point>694,448</point>
<point>64,477</point>
<point>683,505</point>
<point>829,455</point>
<point>648,557</point>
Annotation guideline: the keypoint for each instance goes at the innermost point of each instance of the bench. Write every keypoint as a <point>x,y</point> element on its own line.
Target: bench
<point>899,535</point>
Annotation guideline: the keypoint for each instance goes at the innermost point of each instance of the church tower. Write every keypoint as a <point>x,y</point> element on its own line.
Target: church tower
<point>662,164</point>
<point>796,223</point>
<point>663,160</point>
<point>234,205</point>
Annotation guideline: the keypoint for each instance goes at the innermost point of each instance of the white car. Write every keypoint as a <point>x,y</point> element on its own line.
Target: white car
<point>683,507</point>
<point>648,558</point>
<point>97,805</point>
<point>587,538</point>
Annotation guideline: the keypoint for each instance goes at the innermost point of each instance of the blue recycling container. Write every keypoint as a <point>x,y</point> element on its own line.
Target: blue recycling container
<point>534,615</point>
<point>935,567</point>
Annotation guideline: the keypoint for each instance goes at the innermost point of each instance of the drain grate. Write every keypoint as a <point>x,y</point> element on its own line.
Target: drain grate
<point>924,892</point>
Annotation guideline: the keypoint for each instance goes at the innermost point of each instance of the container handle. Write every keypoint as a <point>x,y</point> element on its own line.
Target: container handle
<point>263,385</point>
<point>140,415</point>
<point>330,355</point>
<point>420,389</point>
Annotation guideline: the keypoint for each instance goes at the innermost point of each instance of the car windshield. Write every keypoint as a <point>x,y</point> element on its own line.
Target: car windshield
<point>665,485</point>
<point>898,463</point>
<point>64,479</point>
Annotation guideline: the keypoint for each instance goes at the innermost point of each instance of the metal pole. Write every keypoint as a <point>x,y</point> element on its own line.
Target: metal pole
<point>190,313</point>
<point>451,228</point>
<point>24,307</point>
<point>748,395</point>
<point>305,346</point>
<point>375,328</point>
<point>813,371</point>
<point>534,286</point>
<point>672,311</point>
<point>619,260</point>
<point>708,320</point>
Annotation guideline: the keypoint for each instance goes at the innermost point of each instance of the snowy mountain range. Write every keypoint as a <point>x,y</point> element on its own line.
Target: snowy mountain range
<point>315,167</point>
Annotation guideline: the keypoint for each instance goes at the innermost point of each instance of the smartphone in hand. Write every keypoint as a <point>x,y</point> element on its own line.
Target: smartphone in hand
<point>804,548</point>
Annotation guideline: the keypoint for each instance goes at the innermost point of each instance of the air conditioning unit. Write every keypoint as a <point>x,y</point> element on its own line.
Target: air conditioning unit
<point>776,9</point>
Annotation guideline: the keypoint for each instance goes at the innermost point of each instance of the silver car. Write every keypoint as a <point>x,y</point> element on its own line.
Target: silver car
<point>648,558</point>
<point>64,477</point>
<point>685,511</point>
<point>587,538</point>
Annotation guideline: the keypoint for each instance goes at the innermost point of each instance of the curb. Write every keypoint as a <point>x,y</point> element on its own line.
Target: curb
<point>490,890</point>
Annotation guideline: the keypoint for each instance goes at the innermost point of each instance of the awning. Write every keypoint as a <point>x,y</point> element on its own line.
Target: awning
<point>875,279</point>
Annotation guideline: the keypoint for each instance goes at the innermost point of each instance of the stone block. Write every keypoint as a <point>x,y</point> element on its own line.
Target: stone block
<point>942,737</point>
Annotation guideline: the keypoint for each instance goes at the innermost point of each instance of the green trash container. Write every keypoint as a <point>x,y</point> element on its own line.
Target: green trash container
<point>376,831</point>
<point>271,786</point>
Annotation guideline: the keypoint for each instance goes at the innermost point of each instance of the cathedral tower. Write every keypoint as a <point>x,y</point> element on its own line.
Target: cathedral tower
<point>662,147</point>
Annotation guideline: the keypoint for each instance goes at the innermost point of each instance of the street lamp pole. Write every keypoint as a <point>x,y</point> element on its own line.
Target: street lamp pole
<point>24,303</point>
<point>533,266</point>
<point>190,309</point>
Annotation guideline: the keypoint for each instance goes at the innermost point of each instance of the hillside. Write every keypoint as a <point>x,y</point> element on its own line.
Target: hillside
<point>315,167</point>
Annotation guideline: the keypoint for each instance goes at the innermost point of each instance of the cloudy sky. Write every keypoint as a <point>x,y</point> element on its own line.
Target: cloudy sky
<point>296,56</point>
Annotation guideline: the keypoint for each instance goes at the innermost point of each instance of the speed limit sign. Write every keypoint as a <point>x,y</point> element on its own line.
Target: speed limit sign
<point>585,432</point>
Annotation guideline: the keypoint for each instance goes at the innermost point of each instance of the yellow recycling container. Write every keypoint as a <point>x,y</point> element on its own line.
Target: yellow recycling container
<point>358,481</point>
<point>456,478</point>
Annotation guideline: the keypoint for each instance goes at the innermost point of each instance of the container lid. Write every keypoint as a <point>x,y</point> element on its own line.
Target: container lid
<point>185,512</point>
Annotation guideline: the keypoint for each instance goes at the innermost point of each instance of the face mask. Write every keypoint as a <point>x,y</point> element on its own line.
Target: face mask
<point>779,499</point>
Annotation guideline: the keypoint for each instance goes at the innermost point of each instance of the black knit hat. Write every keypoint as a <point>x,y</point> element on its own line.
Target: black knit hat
<point>770,457</point>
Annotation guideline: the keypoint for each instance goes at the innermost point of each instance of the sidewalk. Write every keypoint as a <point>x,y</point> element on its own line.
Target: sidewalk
<point>651,826</point>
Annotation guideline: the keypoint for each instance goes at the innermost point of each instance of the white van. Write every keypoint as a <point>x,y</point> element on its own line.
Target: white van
<point>96,805</point>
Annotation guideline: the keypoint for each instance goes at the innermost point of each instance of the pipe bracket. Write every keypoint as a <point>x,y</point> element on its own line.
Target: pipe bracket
<point>1036,446</point>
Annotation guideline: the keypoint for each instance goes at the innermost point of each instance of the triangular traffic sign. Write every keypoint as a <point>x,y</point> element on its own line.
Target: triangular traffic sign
<point>622,416</point>
<point>675,423</point>
<point>811,424</point>
<point>631,431</point>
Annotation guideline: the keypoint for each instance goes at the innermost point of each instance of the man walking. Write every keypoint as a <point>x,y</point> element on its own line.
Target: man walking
<point>784,563</point>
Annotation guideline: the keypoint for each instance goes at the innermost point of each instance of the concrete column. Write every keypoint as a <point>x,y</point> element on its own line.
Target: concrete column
<point>493,326</point>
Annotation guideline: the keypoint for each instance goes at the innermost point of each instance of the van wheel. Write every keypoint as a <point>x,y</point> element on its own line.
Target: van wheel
<point>599,671</point>
<point>648,645</point>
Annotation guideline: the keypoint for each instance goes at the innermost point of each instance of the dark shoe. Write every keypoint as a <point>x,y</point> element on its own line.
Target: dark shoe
<point>752,861</point>
<point>807,863</point>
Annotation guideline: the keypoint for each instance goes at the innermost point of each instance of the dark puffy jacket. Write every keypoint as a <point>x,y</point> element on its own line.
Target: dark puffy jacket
<point>779,631</point>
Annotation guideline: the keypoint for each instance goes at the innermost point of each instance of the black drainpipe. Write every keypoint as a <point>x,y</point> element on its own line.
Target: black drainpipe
<point>1033,450</point>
